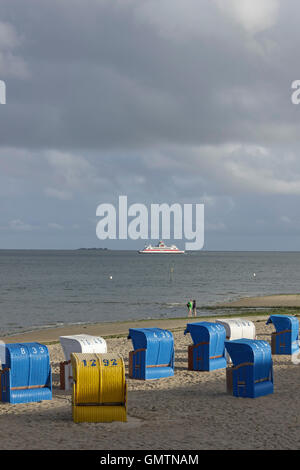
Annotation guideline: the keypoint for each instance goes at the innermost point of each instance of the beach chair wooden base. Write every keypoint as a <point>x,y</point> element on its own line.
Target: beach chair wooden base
<point>229,380</point>
<point>190,357</point>
<point>273,343</point>
<point>65,374</point>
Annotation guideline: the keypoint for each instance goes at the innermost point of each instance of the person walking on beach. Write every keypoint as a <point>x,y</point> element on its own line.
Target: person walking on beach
<point>194,308</point>
<point>190,307</point>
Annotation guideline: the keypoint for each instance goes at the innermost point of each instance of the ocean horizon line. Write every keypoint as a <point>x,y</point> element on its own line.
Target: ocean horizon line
<point>135,250</point>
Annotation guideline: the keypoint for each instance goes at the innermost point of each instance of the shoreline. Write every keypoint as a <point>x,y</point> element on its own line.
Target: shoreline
<point>246,307</point>
<point>117,329</point>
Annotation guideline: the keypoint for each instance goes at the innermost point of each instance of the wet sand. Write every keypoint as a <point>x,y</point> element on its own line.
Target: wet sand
<point>50,335</point>
<point>188,411</point>
<point>268,301</point>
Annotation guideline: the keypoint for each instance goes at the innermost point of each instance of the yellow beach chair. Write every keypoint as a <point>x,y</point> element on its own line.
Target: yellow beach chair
<point>99,388</point>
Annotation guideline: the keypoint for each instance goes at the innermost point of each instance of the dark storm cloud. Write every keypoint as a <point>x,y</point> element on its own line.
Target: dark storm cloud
<point>107,74</point>
<point>161,100</point>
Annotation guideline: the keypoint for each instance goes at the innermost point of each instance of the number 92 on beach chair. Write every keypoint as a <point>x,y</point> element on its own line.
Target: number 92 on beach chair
<point>26,373</point>
<point>99,388</point>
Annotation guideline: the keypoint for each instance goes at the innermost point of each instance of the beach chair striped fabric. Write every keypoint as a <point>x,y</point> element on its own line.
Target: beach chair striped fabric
<point>99,388</point>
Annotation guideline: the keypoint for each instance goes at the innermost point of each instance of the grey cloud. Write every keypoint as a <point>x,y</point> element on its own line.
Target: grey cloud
<point>103,76</point>
<point>165,101</point>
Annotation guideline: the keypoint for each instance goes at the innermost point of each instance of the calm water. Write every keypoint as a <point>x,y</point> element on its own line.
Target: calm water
<point>47,288</point>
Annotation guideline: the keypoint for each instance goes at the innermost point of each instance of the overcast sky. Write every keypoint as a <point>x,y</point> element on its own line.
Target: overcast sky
<point>160,100</point>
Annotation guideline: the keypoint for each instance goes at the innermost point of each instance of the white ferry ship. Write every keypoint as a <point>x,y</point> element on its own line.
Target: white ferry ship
<point>161,248</point>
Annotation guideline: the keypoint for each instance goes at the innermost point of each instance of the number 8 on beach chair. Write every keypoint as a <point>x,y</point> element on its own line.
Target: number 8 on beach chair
<point>99,388</point>
<point>153,355</point>
<point>26,373</point>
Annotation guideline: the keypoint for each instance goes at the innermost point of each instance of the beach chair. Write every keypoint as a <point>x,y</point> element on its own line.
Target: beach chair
<point>285,340</point>
<point>251,374</point>
<point>81,343</point>
<point>26,373</point>
<point>237,328</point>
<point>99,388</point>
<point>208,351</point>
<point>153,355</point>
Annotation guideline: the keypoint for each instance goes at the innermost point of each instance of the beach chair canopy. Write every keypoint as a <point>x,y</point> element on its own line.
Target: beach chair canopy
<point>208,351</point>
<point>82,344</point>
<point>26,373</point>
<point>244,350</point>
<point>285,322</point>
<point>213,333</point>
<point>252,367</point>
<point>159,344</point>
<point>237,328</point>
<point>285,340</point>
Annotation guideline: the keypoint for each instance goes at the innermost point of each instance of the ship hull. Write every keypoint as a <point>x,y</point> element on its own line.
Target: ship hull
<point>161,252</point>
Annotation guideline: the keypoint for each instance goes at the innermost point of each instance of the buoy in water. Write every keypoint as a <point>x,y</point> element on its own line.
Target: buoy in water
<point>110,277</point>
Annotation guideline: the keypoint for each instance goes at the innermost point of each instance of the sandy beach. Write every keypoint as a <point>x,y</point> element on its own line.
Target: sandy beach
<point>188,411</point>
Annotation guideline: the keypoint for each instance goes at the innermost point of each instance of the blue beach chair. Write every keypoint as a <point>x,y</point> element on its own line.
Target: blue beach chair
<point>208,351</point>
<point>26,373</point>
<point>153,355</point>
<point>251,374</point>
<point>286,338</point>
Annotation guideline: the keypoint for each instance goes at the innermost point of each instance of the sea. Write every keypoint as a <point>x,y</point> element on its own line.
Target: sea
<point>43,289</point>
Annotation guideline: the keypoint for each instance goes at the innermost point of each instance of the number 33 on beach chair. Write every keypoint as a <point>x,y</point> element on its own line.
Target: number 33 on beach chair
<point>99,388</point>
<point>26,373</point>
<point>153,355</point>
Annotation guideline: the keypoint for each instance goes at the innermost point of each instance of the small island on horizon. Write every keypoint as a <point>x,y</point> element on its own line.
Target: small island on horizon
<point>82,249</point>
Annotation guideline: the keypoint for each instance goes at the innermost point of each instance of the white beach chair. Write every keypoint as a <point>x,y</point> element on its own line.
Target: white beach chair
<point>237,328</point>
<point>77,344</point>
